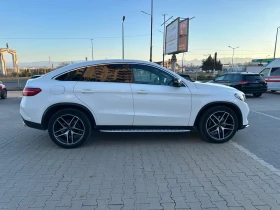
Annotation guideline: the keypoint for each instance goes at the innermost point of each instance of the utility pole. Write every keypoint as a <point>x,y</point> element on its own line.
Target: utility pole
<point>163,40</point>
<point>151,41</point>
<point>275,42</point>
<point>151,45</point>
<point>233,48</point>
<point>123,38</point>
<point>91,49</point>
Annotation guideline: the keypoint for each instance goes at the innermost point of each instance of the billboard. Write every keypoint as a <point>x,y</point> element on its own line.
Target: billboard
<point>172,37</point>
<point>177,36</point>
<point>184,36</point>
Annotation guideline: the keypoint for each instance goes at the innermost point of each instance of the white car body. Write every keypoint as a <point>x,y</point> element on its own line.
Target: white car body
<point>128,104</point>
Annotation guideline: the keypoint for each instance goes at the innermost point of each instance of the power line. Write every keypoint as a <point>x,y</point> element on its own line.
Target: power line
<point>81,38</point>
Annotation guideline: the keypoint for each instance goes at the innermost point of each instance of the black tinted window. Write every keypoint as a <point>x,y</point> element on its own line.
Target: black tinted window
<point>275,72</point>
<point>72,75</point>
<point>108,73</point>
<point>252,78</point>
<point>100,73</point>
<point>228,77</point>
<point>236,77</point>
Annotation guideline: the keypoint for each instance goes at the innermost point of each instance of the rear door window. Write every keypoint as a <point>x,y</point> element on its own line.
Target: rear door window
<point>252,77</point>
<point>236,77</point>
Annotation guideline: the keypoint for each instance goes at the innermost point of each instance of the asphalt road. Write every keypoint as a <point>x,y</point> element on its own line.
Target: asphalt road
<point>263,135</point>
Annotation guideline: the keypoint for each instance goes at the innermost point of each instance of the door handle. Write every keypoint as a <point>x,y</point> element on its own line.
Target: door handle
<point>142,92</point>
<point>87,91</point>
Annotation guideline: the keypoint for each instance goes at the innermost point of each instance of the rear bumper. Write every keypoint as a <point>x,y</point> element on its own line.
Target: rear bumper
<point>248,90</point>
<point>33,124</point>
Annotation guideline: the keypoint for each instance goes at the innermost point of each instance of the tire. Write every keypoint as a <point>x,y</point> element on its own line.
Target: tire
<point>273,91</point>
<point>257,94</point>
<point>4,94</point>
<point>73,121</point>
<point>211,116</point>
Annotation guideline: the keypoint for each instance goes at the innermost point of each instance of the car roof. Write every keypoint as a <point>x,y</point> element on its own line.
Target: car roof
<point>244,73</point>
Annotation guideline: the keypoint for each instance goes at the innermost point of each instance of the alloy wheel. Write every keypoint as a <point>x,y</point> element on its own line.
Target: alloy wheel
<point>68,129</point>
<point>220,125</point>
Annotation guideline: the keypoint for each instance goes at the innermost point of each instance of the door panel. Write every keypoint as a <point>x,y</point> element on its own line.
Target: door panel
<point>106,90</point>
<point>156,101</point>
<point>274,79</point>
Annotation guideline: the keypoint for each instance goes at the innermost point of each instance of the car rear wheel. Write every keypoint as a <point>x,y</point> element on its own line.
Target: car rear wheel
<point>218,124</point>
<point>257,94</point>
<point>4,94</point>
<point>69,128</point>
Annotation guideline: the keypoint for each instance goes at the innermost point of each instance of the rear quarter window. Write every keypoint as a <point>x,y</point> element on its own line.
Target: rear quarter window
<point>253,78</point>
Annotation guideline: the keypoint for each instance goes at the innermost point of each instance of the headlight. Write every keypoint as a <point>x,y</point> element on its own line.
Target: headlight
<point>240,96</point>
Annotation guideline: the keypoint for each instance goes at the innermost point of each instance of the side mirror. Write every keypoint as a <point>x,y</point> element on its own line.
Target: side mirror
<point>177,82</point>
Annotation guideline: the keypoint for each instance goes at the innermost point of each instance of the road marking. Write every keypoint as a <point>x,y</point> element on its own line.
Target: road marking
<point>277,118</point>
<point>256,158</point>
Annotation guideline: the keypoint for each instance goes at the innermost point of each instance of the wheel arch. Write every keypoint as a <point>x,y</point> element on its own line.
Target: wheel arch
<point>50,111</point>
<point>230,105</point>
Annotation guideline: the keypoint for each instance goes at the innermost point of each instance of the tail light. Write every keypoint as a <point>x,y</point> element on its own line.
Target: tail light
<point>243,82</point>
<point>31,91</point>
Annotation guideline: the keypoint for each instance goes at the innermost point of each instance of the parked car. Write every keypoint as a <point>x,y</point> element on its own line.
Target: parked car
<point>3,91</point>
<point>128,96</point>
<point>248,83</point>
<point>271,74</point>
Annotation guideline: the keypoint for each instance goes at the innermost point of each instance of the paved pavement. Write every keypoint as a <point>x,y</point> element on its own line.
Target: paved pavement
<point>139,171</point>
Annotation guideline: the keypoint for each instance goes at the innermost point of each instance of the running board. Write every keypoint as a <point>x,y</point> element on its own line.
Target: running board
<point>146,130</point>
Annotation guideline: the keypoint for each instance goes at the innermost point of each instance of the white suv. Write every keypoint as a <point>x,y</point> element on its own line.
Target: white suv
<point>128,96</point>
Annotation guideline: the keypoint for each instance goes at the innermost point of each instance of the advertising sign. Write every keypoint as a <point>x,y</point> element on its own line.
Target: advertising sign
<point>172,37</point>
<point>184,35</point>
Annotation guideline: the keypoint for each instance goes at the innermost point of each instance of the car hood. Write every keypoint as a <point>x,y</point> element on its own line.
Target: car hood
<point>212,86</point>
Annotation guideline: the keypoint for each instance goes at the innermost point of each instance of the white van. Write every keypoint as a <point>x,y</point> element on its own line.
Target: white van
<point>271,74</point>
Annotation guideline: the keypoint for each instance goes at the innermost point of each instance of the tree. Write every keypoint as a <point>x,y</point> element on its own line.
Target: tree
<point>208,64</point>
<point>63,64</point>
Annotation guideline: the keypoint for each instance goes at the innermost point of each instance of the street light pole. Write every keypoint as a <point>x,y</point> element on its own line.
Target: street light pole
<point>123,38</point>
<point>151,45</point>
<point>91,49</point>
<point>151,41</point>
<point>275,42</point>
<point>163,40</point>
<point>233,48</point>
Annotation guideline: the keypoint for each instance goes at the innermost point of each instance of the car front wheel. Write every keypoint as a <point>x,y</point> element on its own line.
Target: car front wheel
<point>257,94</point>
<point>218,124</point>
<point>69,128</point>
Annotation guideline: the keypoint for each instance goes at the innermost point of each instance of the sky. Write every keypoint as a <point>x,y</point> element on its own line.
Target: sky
<point>62,29</point>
